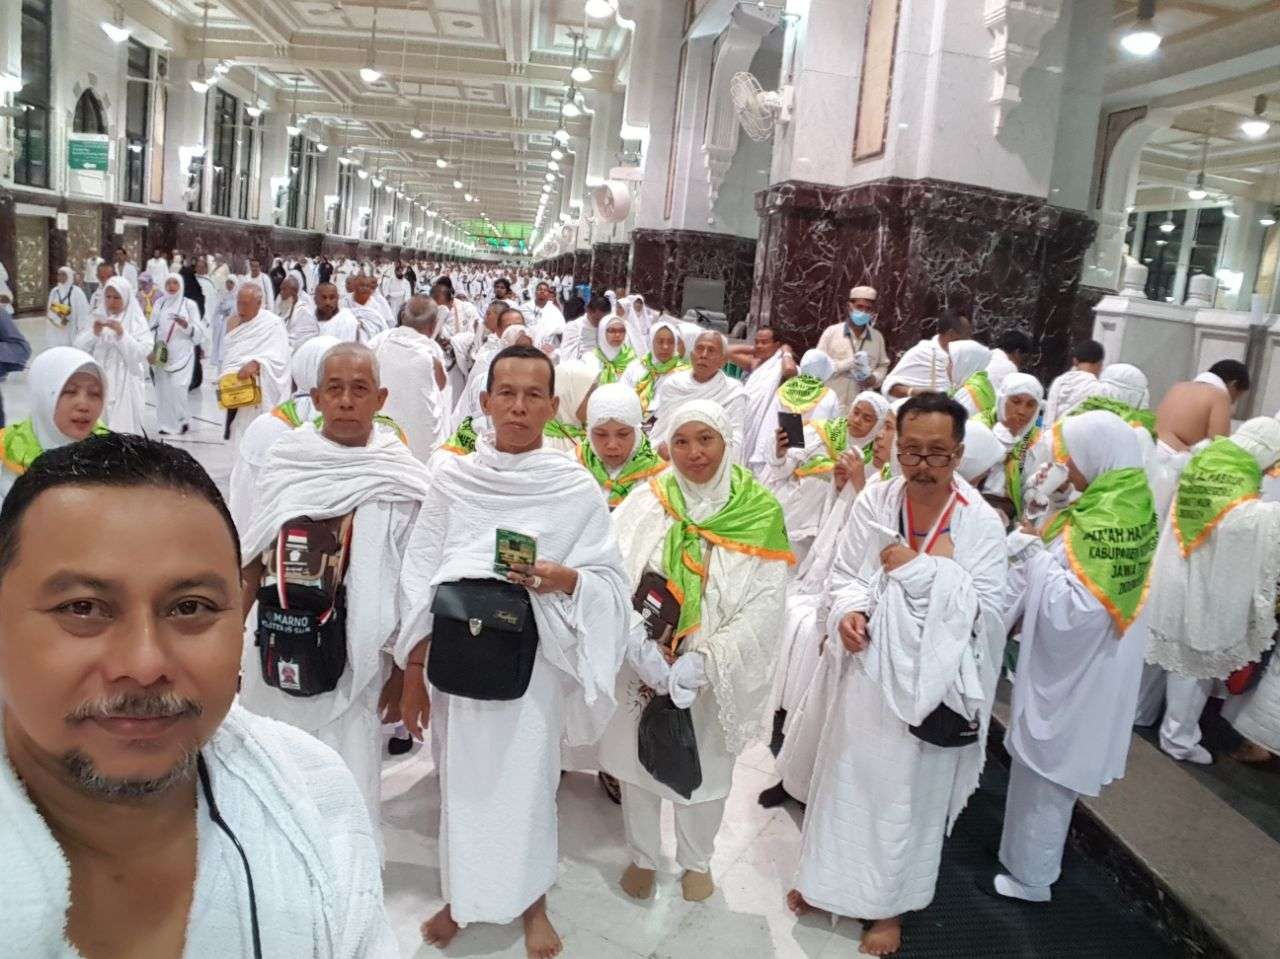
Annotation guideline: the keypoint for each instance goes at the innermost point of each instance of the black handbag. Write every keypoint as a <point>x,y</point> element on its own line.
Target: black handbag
<point>667,746</point>
<point>947,728</point>
<point>484,640</point>
<point>302,648</point>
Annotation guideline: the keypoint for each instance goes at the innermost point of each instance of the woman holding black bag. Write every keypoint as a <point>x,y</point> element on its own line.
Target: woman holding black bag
<point>706,552</point>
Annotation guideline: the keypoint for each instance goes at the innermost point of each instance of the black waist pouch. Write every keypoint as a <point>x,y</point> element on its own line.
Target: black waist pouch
<point>484,640</point>
<point>947,728</point>
<point>302,648</point>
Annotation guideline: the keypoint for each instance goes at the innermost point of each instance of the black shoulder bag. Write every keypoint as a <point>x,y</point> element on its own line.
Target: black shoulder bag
<point>484,640</point>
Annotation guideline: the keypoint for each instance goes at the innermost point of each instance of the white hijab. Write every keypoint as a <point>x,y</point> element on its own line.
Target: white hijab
<point>617,403</point>
<point>982,452</point>
<point>880,406</point>
<point>1260,438</point>
<point>169,302</point>
<point>1099,441</point>
<point>817,364</point>
<point>132,312</point>
<point>669,327</point>
<point>703,500</point>
<point>612,351</point>
<point>66,276</point>
<point>1126,383</point>
<point>47,377</point>
<point>1016,384</point>
<point>967,357</point>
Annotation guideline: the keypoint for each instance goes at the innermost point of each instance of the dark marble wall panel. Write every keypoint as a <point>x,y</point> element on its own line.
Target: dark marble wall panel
<point>1007,260</point>
<point>661,261</point>
<point>609,265</point>
<point>581,266</point>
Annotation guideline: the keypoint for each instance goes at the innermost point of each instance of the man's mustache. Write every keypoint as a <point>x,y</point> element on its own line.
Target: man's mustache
<point>136,706</point>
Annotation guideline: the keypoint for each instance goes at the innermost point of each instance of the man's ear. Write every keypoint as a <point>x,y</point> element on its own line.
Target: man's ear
<point>484,402</point>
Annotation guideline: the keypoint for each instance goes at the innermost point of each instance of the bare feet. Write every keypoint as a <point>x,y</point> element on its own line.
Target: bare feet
<point>696,886</point>
<point>1250,752</point>
<point>440,929</point>
<point>797,904</point>
<point>541,941</point>
<point>882,938</point>
<point>636,882</point>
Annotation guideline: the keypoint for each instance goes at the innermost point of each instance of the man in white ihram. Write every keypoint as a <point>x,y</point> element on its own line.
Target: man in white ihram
<point>412,366</point>
<point>920,627</point>
<point>256,348</point>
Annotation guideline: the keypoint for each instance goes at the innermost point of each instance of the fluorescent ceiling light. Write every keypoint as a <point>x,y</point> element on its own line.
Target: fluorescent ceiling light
<point>416,133</point>
<point>1255,129</point>
<point>441,162</point>
<point>597,9</point>
<point>570,109</point>
<point>1141,41</point>
<point>370,74</point>
<point>10,83</point>
<point>580,74</point>
<point>254,111</point>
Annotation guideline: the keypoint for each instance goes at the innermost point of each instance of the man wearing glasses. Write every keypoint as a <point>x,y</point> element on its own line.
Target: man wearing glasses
<point>916,600</point>
<point>856,347</point>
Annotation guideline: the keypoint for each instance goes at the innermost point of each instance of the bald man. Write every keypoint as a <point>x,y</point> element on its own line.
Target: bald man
<point>359,490</point>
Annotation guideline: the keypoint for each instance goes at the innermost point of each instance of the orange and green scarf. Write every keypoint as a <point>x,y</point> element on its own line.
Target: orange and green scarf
<point>834,434</point>
<point>1217,480</point>
<point>20,447</point>
<point>750,522</point>
<point>980,391</point>
<point>463,440</point>
<point>287,412</point>
<point>1110,536</point>
<point>563,431</point>
<point>801,393</point>
<point>653,372</point>
<point>1131,415</point>
<point>611,370</point>
<point>644,463</point>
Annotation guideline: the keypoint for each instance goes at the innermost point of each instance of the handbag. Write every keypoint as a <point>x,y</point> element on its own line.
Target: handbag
<point>484,640</point>
<point>947,728</point>
<point>235,393</point>
<point>667,746</point>
<point>1249,675</point>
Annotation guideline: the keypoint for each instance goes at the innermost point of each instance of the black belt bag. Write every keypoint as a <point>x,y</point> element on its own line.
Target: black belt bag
<point>302,648</point>
<point>484,640</point>
<point>947,728</point>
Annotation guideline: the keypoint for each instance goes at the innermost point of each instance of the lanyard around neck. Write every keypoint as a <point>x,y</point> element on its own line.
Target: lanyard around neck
<point>941,525</point>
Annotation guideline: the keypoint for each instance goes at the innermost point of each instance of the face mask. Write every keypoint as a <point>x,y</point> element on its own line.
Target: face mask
<point>859,318</point>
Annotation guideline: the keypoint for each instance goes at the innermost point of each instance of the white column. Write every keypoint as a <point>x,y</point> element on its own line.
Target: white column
<point>1186,244</point>
<point>650,100</point>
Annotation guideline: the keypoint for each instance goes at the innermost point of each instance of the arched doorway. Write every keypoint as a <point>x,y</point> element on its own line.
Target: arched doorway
<point>89,116</point>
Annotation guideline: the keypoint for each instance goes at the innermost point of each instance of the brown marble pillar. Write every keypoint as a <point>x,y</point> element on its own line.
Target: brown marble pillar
<point>1008,261</point>
<point>609,266</point>
<point>662,260</point>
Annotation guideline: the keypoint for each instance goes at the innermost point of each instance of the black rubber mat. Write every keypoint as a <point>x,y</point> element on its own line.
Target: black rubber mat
<point>1088,917</point>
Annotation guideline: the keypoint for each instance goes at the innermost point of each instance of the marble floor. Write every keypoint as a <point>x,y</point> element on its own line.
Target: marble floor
<point>755,859</point>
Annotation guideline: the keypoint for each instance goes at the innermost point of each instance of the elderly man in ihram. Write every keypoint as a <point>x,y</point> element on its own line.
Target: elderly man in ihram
<point>515,601</point>
<point>255,350</point>
<point>704,381</point>
<point>916,607</point>
<point>1214,585</point>
<point>141,812</point>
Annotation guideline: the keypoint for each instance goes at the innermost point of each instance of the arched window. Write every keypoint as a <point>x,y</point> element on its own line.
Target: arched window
<point>88,117</point>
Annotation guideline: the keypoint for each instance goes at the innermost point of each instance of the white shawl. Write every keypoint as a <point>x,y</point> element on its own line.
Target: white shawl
<point>924,366</point>
<point>549,496</point>
<point>308,475</point>
<point>264,339</point>
<point>679,388</point>
<point>761,385</point>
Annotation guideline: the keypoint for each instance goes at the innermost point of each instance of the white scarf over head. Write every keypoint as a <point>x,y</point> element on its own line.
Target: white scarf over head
<point>1213,611</point>
<point>305,365</point>
<point>1126,383</point>
<point>671,328</point>
<point>880,406</point>
<point>615,403</point>
<point>704,500</point>
<point>46,379</point>
<point>1099,442</point>
<point>65,278</point>
<point>1016,384</point>
<point>982,452</point>
<point>967,357</point>
<point>817,364</point>
<point>610,351</point>
<point>308,475</point>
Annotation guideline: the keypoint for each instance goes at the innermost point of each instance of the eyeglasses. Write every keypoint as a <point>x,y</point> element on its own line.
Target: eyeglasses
<point>933,459</point>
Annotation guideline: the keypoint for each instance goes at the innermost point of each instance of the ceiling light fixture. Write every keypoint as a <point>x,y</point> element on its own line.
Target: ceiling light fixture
<point>599,9</point>
<point>255,109</point>
<point>115,28</point>
<point>293,129</point>
<point>1168,226</point>
<point>1142,40</point>
<point>457,184</point>
<point>369,73</point>
<point>557,154</point>
<point>570,110</point>
<point>362,173</point>
<point>201,84</point>
<point>1257,126</point>
<point>322,147</point>
<point>561,136</point>
<point>441,162</point>
<point>1268,219</point>
<point>415,131</point>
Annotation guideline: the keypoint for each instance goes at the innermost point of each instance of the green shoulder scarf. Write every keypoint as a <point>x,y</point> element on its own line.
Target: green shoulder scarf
<point>1131,415</point>
<point>1013,468</point>
<point>563,431</point>
<point>980,391</point>
<point>644,463</point>
<point>987,417</point>
<point>801,393</point>
<point>834,434</point>
<point>1217,479</point>
<point>379,419</point>
<point>463,441</point>
<point>1110,536</point>
<point>653,372</point>
<point>611,370</point>
<point>750,522</point>
<point>20,447</point>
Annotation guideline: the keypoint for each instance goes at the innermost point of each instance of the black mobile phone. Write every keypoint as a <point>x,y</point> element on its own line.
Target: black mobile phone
<point>793,425</point>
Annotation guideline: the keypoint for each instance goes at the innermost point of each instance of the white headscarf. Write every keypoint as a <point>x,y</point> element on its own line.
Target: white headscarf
<point>967,357</point>
<point>168,301</point>
<point>46,378</point>
<point>668,326</point>
<point>305,365</point>
<point>880,405</point>
<point>1126,383</point>
<point>66,276</point>
<point>618,403</point>
<point>603,344</point>
<point>703,500</point>
<point>1016,384</point>
<point>132,312</point>
<point>1099,441</point>
<point>982,452</point>
<point>1260,438</point>
<point>817,364</point>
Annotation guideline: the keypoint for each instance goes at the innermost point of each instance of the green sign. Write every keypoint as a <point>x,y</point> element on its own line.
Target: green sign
<point>84,153</point>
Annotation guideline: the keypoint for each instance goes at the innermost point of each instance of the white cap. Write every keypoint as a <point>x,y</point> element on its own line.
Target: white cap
<point>863,293</point>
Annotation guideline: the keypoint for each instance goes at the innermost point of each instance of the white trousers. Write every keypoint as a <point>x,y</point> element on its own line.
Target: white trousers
<point>696,828</point>
<point>1037,817</point>
<point>173,407</point>
<point>1184,701</point>
<point>1150,695</point>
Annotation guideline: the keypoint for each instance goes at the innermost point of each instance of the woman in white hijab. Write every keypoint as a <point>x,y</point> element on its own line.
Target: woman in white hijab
<point>68,392</point>
<point>120,340</point>
<point>716,538</point>
<point>662,359</point>
<point>1126,383</point>
<point>1013,421</point>
<point>68,310</point>
<point>614,356</point>
<point>967,359</point>
<point>178,330</point>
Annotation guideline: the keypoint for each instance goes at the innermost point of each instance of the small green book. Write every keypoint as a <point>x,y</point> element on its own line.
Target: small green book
<point>511,547</point>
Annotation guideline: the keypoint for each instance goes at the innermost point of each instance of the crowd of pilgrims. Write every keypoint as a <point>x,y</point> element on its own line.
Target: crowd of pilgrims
<point>712,543</point>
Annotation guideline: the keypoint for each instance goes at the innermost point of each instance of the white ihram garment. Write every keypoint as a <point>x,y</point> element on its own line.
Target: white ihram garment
<point>498,847</point>
<point>760,387</point>
<point>264,339</point>
<point>881,799</point>
<point>923,367</point>
<point>407,360</point>
<point>123,360</point>
<point>679,388</point>
<point>308,475</point>
<point>304,829</point>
